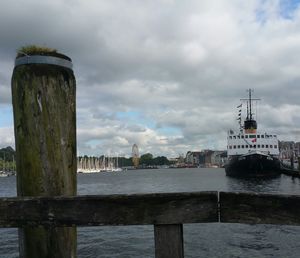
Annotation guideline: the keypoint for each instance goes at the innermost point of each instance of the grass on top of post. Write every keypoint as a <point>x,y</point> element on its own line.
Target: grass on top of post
<point>35,50</point>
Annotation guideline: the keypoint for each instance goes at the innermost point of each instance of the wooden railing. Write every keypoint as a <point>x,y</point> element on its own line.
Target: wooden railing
<point>166,211</point>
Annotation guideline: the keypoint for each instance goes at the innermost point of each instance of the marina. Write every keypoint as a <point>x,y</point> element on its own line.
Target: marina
<point>98,164</point>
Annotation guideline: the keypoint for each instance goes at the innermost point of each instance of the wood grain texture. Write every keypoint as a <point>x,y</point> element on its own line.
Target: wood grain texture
<point>259,208</point>
<point>140,209</point>
<point>45,130</point>
<point>168,241</point>
<point>43,99</point>
<point>166,211</point>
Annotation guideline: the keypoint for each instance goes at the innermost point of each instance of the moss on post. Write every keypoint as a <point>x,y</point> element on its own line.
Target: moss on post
<point>43,98</point>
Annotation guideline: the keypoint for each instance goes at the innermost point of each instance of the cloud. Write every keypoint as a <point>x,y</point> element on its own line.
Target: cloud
<point>166,75</point>
<point>8,139</point>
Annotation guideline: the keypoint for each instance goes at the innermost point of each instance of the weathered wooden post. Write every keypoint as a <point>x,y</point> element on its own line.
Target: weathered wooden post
<point>169,241</point>
<point>43,96</point>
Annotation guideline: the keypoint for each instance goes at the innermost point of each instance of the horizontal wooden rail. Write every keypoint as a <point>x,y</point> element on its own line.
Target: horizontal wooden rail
<point>139,209</point>
<point>166,211</point>
<point>155,209</point>
<point>252,208</point>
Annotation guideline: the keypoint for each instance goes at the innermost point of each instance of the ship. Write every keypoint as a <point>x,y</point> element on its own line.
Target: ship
<point>251,153</point>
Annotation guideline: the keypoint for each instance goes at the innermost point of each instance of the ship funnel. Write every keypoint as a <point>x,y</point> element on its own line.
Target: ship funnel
<point>250,126</point>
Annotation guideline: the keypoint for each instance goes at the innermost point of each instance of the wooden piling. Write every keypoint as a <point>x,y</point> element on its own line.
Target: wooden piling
<point>168,241</point>
<point>43,96</point>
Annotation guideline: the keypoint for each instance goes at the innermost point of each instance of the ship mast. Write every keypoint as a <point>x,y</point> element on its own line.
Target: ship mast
<point>250,104</point>
<point>250,124</point>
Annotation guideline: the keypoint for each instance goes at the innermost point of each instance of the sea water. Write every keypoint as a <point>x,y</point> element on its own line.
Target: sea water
<point>200,240</point>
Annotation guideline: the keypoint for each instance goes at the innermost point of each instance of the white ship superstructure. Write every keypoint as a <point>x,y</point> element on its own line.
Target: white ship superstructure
<point>240,144</point>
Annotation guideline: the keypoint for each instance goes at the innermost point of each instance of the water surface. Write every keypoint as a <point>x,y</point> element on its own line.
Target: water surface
<point>200,240</point>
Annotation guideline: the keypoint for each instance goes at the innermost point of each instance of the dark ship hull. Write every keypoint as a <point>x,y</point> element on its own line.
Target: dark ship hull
<point>253,165</point>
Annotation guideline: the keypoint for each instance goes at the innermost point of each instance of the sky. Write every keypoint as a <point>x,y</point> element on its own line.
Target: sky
<point>166,75</point>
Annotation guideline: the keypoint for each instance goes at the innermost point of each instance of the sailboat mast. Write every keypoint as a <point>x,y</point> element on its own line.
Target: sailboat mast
<point>250,104</point>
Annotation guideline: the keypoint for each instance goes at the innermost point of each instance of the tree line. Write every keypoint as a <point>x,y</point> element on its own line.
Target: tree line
<point>7,159</point>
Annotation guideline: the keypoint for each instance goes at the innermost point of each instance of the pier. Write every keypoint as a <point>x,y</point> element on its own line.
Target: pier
<point>290,172</point>
<point>167,212</point>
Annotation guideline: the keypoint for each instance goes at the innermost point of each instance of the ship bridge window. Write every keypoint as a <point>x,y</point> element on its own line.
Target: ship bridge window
<point>246,136</point>
<point>234,146</point>
<point>230,137</point>
<point>262,136</point>
<point>258,136</point>
<point>252,136</point>
<point>230,147</point>
<point>275,146</point>
<point>242,136</point>
<point>258,145</point>
<point>239,146</point>
<point>234,137</point>
<point>262,145</point>
<point>267,146</point>
<point>238,137</point>
<point>243,146</point>
<point>271,146</point>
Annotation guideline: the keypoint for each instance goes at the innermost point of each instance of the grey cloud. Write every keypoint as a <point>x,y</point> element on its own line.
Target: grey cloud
<point>184,65</point>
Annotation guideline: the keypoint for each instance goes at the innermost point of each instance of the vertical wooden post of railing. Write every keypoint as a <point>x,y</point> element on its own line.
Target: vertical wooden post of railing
<point>43,95</point>
<point>168,241</point>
